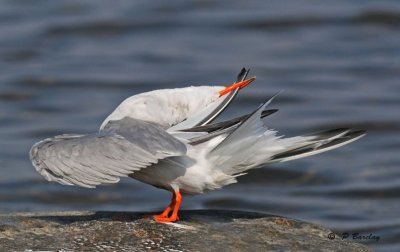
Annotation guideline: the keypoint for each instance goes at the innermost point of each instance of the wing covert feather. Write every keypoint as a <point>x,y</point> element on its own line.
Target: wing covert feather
<point>123,147</point>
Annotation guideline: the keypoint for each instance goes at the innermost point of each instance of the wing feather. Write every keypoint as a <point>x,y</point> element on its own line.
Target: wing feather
<point>212,111</point>
<point>123,147</point>
<point>252,144</point>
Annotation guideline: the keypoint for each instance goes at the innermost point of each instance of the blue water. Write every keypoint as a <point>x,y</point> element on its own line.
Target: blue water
<point>65,65</point>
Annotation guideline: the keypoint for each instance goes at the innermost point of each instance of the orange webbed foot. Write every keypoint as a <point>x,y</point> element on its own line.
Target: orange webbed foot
<point>175,204</point>
<point>165,219</point>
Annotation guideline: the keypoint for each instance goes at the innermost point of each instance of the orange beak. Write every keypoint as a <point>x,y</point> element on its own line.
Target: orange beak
<point>234,86</point>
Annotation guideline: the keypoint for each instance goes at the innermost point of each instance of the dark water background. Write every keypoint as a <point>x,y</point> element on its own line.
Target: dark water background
<point>65,65</point>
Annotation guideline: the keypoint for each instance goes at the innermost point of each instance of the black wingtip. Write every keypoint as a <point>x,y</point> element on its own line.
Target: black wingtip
<point>356,133</point>
<point>268,112</point>
<point>349,137</point>
<point>242,74</point>
<point>328,133</point>
<point>337,131</point>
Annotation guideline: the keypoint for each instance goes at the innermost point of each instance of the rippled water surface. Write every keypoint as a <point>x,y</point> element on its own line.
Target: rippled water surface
<point>64,66</point>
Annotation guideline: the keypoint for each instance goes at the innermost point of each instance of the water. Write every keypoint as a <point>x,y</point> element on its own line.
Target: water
<point>64,66</point>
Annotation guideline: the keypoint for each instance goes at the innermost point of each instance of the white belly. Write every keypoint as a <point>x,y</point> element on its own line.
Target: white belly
<point>190,175</point>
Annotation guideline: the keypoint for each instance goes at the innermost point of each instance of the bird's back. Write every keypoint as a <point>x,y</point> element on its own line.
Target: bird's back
<point>166,107</point>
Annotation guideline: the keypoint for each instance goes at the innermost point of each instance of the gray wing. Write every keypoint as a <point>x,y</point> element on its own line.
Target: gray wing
<point>123,147</point>
<point>201,134</point>
<point>226,124</point>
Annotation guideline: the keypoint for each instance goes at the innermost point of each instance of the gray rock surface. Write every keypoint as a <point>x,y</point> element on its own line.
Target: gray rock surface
<point>198,230</point>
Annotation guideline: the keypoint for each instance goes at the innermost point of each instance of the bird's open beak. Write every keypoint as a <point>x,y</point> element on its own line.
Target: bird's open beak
<point>234,86</point>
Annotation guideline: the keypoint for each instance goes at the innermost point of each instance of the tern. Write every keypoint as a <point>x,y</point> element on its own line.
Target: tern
<point>167,138</point>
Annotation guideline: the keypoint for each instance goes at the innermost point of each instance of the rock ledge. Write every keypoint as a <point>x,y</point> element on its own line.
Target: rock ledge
<point>198,230</point>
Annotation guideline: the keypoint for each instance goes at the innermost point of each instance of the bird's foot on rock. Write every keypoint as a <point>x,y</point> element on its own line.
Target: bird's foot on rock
<point>162,215</point>
<point>159,218</point>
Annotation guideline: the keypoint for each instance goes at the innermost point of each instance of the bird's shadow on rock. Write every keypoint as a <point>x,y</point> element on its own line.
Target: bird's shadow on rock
<point>185,216</point>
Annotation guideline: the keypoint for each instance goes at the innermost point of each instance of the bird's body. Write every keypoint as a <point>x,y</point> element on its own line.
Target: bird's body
<point>165,138</point>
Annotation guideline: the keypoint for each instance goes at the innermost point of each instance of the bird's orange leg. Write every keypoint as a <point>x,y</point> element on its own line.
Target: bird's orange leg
<point>167,210</point>
<point>234,86</point>
<point>174,215</point>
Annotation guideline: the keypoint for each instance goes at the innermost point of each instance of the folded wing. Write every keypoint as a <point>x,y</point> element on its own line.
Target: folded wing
<point>120,149</point>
